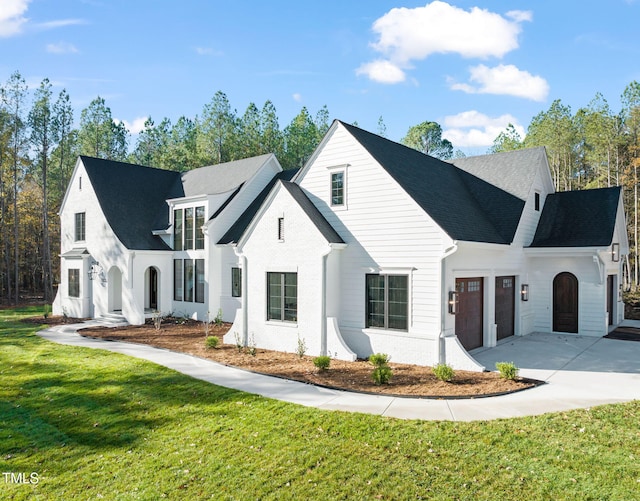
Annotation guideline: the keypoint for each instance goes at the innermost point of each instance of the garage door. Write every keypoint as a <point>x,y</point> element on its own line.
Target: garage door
<point>469,319</point>
<point>505,306</point>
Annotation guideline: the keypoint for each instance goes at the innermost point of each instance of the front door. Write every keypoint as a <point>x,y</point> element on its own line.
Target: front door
<point>565,303</point>
<point>505,306</point>
<point>153,289</point>
<point>469,317</point>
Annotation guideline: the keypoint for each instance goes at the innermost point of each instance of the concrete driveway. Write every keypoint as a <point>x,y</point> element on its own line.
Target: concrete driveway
<point>579,371</point>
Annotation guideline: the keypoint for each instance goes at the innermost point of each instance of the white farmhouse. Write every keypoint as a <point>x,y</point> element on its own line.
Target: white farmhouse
<point>370,247</point>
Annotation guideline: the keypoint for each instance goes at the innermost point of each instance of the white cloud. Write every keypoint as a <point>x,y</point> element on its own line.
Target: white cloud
<point>406,35</point>
<point>59,23</point>
<point>61,48</point>
<point>504,80</point>
<point>382,71</point>
<point>134,127</point>
<point>207,51</point>
<point>11,16</point>
<point>472,129</point>
<point>297,97</point>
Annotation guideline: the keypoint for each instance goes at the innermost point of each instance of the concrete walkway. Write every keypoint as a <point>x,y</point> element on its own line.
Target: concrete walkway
<point>579,371</point>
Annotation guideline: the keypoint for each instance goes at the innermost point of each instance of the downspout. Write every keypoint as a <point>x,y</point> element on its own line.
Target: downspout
<point>245,293</point>
<point>323,305</point>
<point>442,358</point>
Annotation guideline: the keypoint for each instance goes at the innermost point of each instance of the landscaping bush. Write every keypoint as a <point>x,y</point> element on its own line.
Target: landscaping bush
<point>444,372</point>
<point>508,370</point>
<point>211,342</point>
<point>301,349</point>
<point>322,362</point>
<point>382,373</point>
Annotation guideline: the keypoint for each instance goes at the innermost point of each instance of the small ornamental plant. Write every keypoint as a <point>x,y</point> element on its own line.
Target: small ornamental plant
<point>157,320</point>
<point>322,362</point>
<point>507,370</point>
<point>218,320</point>
<point>382,373</point>
<point>301,348</point>
<point>238,340</point>
<point>211,342</point>
<point>444,372</point>
<point>251,348</point>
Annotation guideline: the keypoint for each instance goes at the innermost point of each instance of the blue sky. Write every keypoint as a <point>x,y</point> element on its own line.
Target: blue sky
<point>472,66</point>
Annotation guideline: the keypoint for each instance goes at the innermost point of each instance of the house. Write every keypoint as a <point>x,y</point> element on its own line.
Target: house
<point>135,240</point>
<point>375,247</point>
<point>370,247</point>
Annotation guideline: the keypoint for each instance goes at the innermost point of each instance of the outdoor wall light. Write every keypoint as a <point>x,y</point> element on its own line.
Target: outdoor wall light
<point>524,292</point>
<point>615,253</point>
<point>453,302</point>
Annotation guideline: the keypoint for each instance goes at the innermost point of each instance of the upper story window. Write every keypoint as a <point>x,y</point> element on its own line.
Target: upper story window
<point>281,229</point>
<point>337,188</point>
<point>536,201</point>
<point>80,226</point>
<point>187,228</point>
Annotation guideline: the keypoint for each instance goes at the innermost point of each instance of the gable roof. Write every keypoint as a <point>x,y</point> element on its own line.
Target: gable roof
<point>233,234</point>
<point>511,171</point>
<point>312,212</point>
<point>132,197</point>
<point>584,218</point>
<point>466,207</point>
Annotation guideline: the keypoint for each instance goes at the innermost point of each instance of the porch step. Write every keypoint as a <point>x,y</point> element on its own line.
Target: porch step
<point>111,319</point>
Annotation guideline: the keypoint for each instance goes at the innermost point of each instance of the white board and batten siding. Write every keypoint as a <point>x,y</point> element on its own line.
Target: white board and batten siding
<point>387,233</point>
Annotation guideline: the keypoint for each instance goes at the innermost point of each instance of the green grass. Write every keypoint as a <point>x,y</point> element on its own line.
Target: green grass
<point>96,425</point>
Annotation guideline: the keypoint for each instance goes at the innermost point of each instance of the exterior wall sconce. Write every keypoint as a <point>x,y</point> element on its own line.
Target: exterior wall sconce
<point>615,253</point>
<point>453,302</point>
<point>96,271</point>
<point>524,292</point>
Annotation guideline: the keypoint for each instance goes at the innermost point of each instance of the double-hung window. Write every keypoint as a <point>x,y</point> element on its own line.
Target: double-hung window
<point>282,297</point>
<point>74,282</point>
<point>80,226</point>
<point>337,188</point>
<point>387,301</point>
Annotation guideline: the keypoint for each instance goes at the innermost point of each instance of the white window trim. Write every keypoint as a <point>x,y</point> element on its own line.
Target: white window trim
<point>334,169</point>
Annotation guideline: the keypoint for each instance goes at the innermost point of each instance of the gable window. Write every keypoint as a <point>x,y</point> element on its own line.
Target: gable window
<point>236,282</point>
<point>74,282</point>
<point>80,226</point>
<point>387,301</point>
<point>177,229</point>
<point>281,229</point>
<point>337,188</point>
<point>198,227</point>
<point>536,201</point>
<point>187,228</point>
<point>282,296</point>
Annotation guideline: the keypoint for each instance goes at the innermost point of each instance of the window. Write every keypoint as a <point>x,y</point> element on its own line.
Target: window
<point>178,280</point>
<point>80,226</point>
<point>282,296</point>
<point>198,227</point>
<point>537,201</point>
<point>387,301</point>
<point>337,188</point>
<point>199,281</point>
<point>281,229</point>
<point>236,282</point>
<point>177,229</point>
<point>187,224</point>
<point>188,280</point>
<point>74,282</point>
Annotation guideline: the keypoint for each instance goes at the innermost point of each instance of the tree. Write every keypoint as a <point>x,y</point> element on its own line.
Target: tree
<point>152,145</point>
<point>100,136</point>
<point>301,138</point>
<point>382,128</point>
<point>272,141</point>
<point>182,151</point>
<point>427,138</point>
<point>250,133</point>
<point>217,130</point>
<point>65,138</point>
<point>507,140</point>
<point>41,124</point>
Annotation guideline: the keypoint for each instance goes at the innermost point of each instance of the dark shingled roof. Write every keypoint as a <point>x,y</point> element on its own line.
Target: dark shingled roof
<point>584,218</point>
<point>463,205</point>
<point>238,228</point>
<point>327,231</point>
<point>132,197</point>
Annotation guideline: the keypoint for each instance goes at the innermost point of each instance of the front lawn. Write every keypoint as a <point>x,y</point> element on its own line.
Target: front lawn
<point>96,425</point>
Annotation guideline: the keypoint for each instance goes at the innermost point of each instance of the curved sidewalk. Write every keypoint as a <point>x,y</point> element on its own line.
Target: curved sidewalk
<point>579,372</point>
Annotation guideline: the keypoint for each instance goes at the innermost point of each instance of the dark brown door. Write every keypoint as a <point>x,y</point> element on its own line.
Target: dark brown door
<point>610,297</point>
<point>505,306</point>
<point>153,289</point>
<point>565,303</point>
<point>469,318</point>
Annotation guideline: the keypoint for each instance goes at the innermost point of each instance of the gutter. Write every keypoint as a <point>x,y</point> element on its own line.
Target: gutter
<point>245,293</point>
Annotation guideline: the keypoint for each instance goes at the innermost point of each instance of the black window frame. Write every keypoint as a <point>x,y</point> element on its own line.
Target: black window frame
<point>199,288</point>
<point>199,223</point>
<point>387,317</point>
<point>178,229</point>
<point>536,201</point>
<point>178,280</point>
<point>73,275</point>
<point>280,287</point>
<point>80,226</point>
<point>236,282</point>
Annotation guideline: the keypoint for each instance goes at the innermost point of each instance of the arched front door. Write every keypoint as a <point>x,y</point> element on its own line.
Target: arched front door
<point>565,302</point>
<point>153,288</point>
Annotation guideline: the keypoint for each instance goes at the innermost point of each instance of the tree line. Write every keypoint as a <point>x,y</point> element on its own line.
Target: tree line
<point>40,141</point>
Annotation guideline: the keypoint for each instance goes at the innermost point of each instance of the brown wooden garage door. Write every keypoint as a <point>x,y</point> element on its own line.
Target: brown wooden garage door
<point>469,318</point>
<point>505,306</point>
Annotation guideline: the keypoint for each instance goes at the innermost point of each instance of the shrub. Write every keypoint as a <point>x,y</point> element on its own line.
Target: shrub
<point>382,373</point>
<point>253,351</point>
<point>302,347</point>
<point>444,372</point>
<point>322,362</point>
<point>508,370</point>
<point>47,311</point>
<point>211,342</point>
<point>218,319</point>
